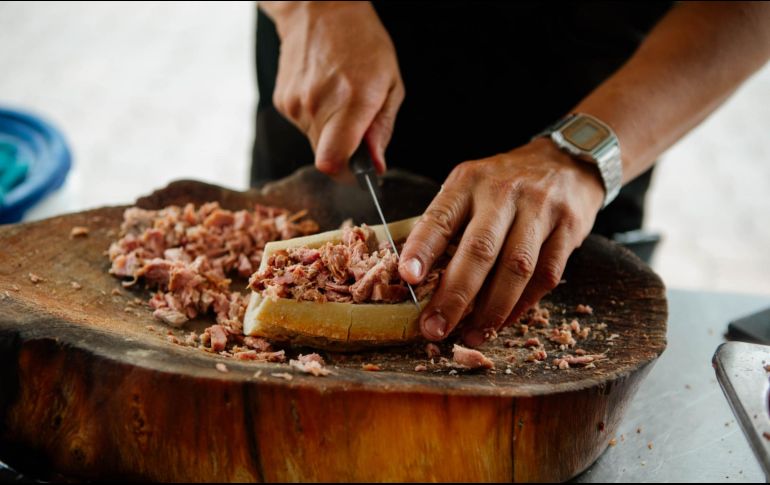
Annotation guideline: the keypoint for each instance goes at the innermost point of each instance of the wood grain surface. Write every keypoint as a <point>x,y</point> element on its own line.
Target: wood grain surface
<point>87,391</point>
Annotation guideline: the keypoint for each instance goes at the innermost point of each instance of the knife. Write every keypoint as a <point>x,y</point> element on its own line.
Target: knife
<point>362,166</point>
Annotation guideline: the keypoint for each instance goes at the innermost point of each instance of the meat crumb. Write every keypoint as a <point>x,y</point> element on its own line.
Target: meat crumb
<point>310,366</point>
<point>283,375</point>
<point>584,309</point>
<point>638,430</point>
<point>613,442</point>
<point>767,368</point>
<point>116,292</point>
<point>172,339</point>
<point>649,445</point>
<point>78,231</point>
<point>470,358</point>
<point>76,286</point>
<point>432,350</point>
<point>766,435</point>
<point>420,368</point>
<point>222,368</point>
<point>35,279</point>
<point>311,358</point>
<point>537,355</point>
<point>371,367</point>
<point>532,342</point>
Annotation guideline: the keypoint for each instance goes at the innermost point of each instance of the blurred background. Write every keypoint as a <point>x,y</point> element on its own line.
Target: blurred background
<point>147,93</point>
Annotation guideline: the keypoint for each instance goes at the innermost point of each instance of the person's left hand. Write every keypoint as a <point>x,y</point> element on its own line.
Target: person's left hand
<point>526,210</point>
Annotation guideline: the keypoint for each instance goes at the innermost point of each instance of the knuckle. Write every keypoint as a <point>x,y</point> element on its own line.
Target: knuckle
<point>550,274</point>
<point>457,298</point>
<point>505,187</point>
<point>311,100</point>
<point>345,87</point>
<point>520,262</point>
<point>481,245</point>
<point>463,171</point>
<point>441,217</point>
<point>538,195</point>
<point>569,220</point>
<point>494,316</point>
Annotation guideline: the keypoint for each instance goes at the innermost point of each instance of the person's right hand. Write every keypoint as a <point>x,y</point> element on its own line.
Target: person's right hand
<point>338,78</point>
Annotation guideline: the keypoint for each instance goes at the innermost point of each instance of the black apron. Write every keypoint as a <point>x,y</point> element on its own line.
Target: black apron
<point>481,78</point>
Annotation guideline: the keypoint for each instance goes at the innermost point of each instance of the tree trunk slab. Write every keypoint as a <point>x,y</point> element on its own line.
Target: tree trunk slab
<point>87,391</point>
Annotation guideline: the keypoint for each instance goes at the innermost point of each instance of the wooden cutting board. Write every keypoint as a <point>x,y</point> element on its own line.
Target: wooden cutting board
<point>87,391</point>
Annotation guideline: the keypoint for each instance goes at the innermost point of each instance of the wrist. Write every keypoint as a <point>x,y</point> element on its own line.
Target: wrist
<point>288,14</point>
<point>586,175</point>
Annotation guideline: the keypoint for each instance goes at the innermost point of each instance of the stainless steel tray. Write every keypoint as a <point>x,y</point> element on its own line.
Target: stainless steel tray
<point>740,369</point>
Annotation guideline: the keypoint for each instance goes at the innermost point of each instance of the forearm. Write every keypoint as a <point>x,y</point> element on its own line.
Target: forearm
<point>688,65</point>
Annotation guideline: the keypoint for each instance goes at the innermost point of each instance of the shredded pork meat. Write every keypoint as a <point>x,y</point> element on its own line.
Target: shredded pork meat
<point>355,270</point>
<point>190,256</point>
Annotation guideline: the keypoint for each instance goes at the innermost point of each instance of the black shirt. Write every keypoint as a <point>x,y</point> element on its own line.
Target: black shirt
<point>481,78</point>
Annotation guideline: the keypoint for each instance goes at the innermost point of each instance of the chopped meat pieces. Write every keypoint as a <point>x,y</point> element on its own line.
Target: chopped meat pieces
<point>584,309</point>
<point>432,350</point>
<point>470,358</point>
<point>78,231</point>
<point>189,255</point>
<point>76,286</point>
<point>371,367</point>
<point>307,358</point>
<point>532,342</point>
<point>218,338</point>
<point>420,368</point>
<point>566,361</point>
<point>170,316</point>
<point>354,270</point>
<point>310,364</point>
<point>537,355</point>
<point>35,278</point>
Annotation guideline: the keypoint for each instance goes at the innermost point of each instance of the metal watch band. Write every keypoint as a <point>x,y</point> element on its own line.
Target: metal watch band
<point>606,155</point>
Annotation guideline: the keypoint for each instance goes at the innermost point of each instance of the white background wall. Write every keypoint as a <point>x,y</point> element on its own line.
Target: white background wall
<point>152,92</point>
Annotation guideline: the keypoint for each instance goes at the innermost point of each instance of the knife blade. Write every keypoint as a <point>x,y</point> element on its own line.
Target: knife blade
<point>362,166</point>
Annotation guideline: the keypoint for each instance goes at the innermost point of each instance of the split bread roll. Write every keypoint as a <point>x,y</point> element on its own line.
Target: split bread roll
<point>333,325</point>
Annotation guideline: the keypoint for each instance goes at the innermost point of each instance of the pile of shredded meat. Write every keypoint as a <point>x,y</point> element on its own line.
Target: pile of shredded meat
<point>189,255</point>
<point>357,270</point>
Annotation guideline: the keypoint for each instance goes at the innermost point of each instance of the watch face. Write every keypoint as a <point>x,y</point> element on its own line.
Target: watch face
<point>585,133</point>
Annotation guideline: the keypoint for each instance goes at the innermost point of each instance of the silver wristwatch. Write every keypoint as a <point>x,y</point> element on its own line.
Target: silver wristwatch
<point>588,139</point>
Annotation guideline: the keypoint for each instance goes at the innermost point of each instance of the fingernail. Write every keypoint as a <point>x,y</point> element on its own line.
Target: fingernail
<point>435,325</point>
<point>473,337</point>
<point>413,267</point>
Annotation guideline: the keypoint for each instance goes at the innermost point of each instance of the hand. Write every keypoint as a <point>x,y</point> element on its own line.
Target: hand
<point>526,210</point>
<point>338,79</point>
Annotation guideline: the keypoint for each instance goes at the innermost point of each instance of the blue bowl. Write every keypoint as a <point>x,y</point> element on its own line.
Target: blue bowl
<point>45,150</point>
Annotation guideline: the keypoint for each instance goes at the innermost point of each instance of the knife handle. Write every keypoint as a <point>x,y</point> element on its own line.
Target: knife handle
<point>361,165</point>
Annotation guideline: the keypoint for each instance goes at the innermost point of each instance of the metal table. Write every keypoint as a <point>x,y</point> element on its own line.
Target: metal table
<point>686,429</point>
